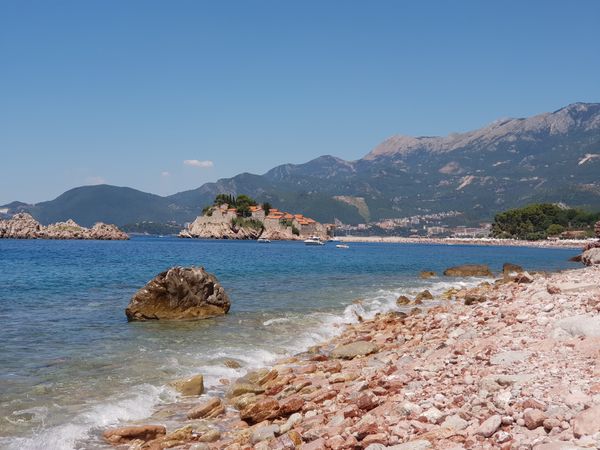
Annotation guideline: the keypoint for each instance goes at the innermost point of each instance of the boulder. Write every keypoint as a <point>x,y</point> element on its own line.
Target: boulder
<point>580,325</point>
<point>587,422</point>
<point>427,274</point>
<point>126,434</point>
<point>241,388</point>
<point>489,426</point>
<point>424,295</point>
<point>354,349</point>
<point>469,270</point>
<point>509,268</point>
<point>533,418</point>
<point>212,407</point>
<point>403,300</point>
<point>189,386</point>
<point>263,409</point>
<point>180,293</point>
<point>591,257</point>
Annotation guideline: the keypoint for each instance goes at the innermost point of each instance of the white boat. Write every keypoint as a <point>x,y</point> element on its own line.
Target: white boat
<point>314,240</point>
<point>342,246</point>
<point>334,239</point>
<point>263,241</point>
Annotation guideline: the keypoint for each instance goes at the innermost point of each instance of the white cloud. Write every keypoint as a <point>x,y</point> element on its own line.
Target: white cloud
<point>165,174</point>
<point>95,180</point>
<point>198,163</point>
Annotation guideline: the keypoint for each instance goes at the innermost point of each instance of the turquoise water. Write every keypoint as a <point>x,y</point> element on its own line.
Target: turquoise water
<point>71,365</point>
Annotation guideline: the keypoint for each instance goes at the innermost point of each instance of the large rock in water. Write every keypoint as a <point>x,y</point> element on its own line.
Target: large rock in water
<point>180,293</point>
<point>469,270</point>
<point>591,257</point>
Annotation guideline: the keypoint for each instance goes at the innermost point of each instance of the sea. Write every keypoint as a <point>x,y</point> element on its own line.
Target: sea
<point>71,365</point>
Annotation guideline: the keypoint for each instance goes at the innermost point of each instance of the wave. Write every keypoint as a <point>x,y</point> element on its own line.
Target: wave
<point>135,406</point>
<point>143,400</point>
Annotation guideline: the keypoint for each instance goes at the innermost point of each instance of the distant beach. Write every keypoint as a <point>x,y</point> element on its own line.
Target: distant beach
<point>566,243</point>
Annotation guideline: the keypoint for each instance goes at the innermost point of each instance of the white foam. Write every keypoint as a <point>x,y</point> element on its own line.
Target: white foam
<point>141,404</point>
<point>65,437</point>
<point>276,320</point>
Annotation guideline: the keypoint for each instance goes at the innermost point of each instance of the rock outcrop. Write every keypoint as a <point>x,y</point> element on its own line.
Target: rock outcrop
<point>205,228</point>
<point>180,293</point>
<point>591,256</point>
<point>24,226</point>
<point>469,270</point>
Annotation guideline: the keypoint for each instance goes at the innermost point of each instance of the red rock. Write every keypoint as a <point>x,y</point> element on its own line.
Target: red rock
<point>210,408</point>
<point>317,444</point>
<point>335,442</point>
<point>291,405</point>
<point>366,402</point>
<point>267,408</point>
<point>126,434</point>
<point>378,438</point>
<point>533,418</point>
<point>534,404</point>
<point>587,422</point>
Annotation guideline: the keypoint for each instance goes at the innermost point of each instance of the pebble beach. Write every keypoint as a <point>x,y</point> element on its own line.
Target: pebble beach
<point>508,365</point>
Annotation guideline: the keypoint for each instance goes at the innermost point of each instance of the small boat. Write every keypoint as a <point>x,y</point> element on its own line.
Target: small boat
<point>263,241</point>
<point>334,239</point>
<point>314,240</point>
<point>342,246</point>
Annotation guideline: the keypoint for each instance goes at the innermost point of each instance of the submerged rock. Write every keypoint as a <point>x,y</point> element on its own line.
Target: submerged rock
<point>427,274</point>
<point>469,270</point>
<point>208,409</point>
<point>509,268</point>
<point>403,300</point>
<point>125,434</point>
<point>189,386</point>
<point>424,295</point>
<point>180,293</point>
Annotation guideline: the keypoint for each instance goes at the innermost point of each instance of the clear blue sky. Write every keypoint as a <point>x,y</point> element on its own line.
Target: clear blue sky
<point>124,92</point>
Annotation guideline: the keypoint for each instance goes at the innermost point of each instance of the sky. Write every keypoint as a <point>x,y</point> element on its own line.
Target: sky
<point>163,96</point>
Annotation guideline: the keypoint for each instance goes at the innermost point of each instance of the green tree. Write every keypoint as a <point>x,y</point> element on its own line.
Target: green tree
<point>266,206</point>
<point>555,229</point>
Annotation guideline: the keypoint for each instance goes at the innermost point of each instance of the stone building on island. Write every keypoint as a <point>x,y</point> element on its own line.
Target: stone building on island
<point>225,222</point>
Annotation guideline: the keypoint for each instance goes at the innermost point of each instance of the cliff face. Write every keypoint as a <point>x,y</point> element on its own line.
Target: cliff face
<point>23,226</point>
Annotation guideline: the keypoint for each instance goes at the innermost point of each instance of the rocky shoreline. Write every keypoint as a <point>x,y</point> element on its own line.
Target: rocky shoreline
<point>24,226</point>
<point>508,365</point>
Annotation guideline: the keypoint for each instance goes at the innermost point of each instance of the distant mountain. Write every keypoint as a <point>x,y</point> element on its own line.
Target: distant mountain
<point>551,157</point>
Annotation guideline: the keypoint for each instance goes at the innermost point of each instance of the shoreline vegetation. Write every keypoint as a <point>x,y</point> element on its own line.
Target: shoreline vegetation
<point>507,364</point>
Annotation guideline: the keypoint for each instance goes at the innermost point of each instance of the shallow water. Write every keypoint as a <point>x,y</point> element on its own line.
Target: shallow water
<point>70,364</point>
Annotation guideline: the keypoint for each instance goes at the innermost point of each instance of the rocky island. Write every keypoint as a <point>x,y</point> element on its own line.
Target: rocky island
<point>243,218</point>
<point>24,226</point>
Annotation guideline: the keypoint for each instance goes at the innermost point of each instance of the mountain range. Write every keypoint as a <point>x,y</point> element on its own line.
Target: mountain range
<point>550,157</point>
